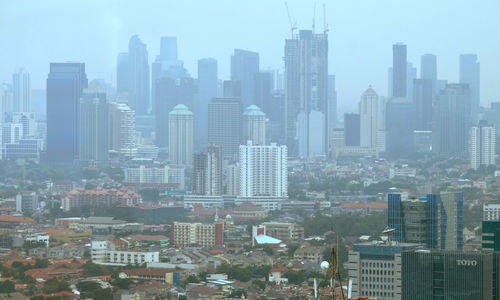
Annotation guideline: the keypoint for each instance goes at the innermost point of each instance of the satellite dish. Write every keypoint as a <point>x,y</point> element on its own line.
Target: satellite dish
<point>324,265</point>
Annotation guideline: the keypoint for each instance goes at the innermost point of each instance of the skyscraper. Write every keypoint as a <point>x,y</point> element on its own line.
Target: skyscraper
<point>482,145</point>
<point>470,74</point>
<point>306,85</point>
<point>451,120</point>
<point>169,93</point>
<point>428,70</point>
<point>422,98</point>
<point>411,75</point>
<point>93,127</point>
<point>399,124</point>
<point>351,129</point>
<point>180,137</point>
<point>207,171</point>
<point>121,129</point>
<point>207,89</point>
<point>263,171</point>
<point>254,126</point>
<point>263,87</point>
<point>332,104</point>
<point>22,91</point>
<point>138,83</point>
<point>168,48</point>
<point>399,73</point>
<point>224,125</point>
<point>122,73</point>
<point>65,84</point>
<point>244,65</point>
<point>368,118</point>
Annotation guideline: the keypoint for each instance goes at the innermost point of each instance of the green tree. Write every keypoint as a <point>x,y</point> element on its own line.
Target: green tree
<point>53,286</point>
<point>7,286</point>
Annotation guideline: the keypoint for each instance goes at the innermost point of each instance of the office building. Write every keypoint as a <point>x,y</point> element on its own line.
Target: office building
<point>180,137</point>
<point>428,70</point>
<point>224,125</point>
<point>491,235</point>
<point>435,220</point>
<point>254,126</point>
<point>263,175</point>
<point>482,145</point>
<point>21,91</point>
<point>26,201</point>
<point>12,133</point>
<point>207,89</point>
<point>93,118</point>
<point>107,253</point>
<point>122,73</point>
<point>452,120</point>
<point>232,89</point>
<point>196,234</point>
<point>368,118</point>
<point>263,91</point>
<point>65,84</point>
<point>138,79</point>
<point>491,212</point>
<point>427,275</point>
<point>28,121</point>
<point>232,179</point>
<point>27,149</point>
<point>374,269</point>
<point>287,232</point>
<point>422,141</point>
<point>352,129</point>
<point>169,93</point>
<point>399,73</point>
<point>470,75</point>
<point>244,66</point>
<point>306,86</point>
<point>422,98</point>
<point>332,104</point>
<point>207,171</point>
<point>152,175</point>
<point>121,129</point>
<point>399,124</point>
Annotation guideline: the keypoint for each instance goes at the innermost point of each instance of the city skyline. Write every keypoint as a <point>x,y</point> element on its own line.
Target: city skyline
<point>419,29</point>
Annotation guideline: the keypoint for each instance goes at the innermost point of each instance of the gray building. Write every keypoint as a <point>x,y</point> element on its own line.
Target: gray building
<point>422,98</point>
<point>332,104</point>
<point>65,84</point>
<point>306,86</point>
<point>21,88</point>
<point>400,116</point>
<point>224,125</point>
<point>470,75</point>
<point>207,89</point>
<point>244,66</point>
<point>207,171</point>
<point>138,79</point>
<point>399,73</point>
<point>452,120</point>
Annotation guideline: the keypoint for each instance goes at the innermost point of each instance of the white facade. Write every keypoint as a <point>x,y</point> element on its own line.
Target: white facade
<point>26,201</point>
<point>232,179</point>
<point>254,125</point>
<point>103,254</point>
<point>27,119</point>
<point>12,133</point>
<point>368,118</point>
<point>491,212</point>
<point>482,145</point>
<point>122,123</point>
<point>180,135</point>
<point>208,201</point>
<point>263,171</point>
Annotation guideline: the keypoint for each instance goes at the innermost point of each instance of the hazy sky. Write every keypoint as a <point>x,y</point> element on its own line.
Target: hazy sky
<point>34,33</point>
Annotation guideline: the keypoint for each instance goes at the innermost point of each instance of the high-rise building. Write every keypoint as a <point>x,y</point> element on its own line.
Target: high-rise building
<point>180,137</point>
<point>207,171</point>
<point>306,86</point>
<point>435,220</point>
<point>368,118</point>
<point>244,65</point>
<point>452,120</point>
<point>332,104</point>
<point>263,87</point>
<point>121,129</point>
<point>169,93</point>
<point>263,171</point>
<point>399,126</point>
<point>12,133</point>
<point>27,119</point>
<point>232,179</point>
<point>351,129</point>
<point>196,234</point>
<point>65,84</point>
<point>21,91</point>
<point>428,67</point>
<point>399,73</point>
<point>422,98</point>
<point>168,48</point>
<point>470,74</point>
<point>254,126</point>
<point>435,274</point>
<point>482,145</point>
<point>375,269</point>
<point>122,73</point>
<point>6,107</point>
<point>138,80</point>
<point>232,88</point>
<point>224,125</point>
<point>26,201</point>
<point>207,89</point>
<point>93,136</point>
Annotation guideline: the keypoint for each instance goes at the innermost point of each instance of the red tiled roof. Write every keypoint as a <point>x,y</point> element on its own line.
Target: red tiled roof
<point>14,219</point>
<point>248,206</point>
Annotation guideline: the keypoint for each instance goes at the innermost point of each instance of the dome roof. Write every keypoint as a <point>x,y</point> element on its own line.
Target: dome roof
<point>181,109</point>
<point>253,110</point>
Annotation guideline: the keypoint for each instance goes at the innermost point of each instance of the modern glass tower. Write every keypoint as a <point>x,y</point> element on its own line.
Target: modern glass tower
<point>22,91</point>
<point>470,74</point>
<point>65,84</point>
<point>207,89</point>
<point>138,82</point>
<point>244,65</point>
<point>399,73</point>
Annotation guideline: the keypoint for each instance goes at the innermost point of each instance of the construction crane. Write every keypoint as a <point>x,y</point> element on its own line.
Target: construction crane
<point>293,24</point>
<point>325,25</point>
